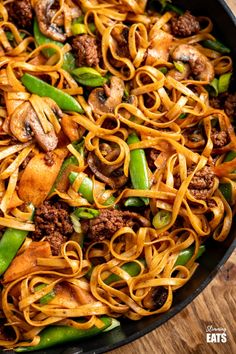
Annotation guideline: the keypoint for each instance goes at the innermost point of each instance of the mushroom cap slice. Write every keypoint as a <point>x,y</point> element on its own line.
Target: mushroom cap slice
<point>24,125</point>
<point>98,101</point>
<point>51,30</point>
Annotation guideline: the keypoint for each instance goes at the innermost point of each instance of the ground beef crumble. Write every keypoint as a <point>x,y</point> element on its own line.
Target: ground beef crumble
<point>20,12</point>
<point>86,50</point>
<point>226,101</point>
<point>219,138</point>
<point>109,222</point>
<point>201,184</point>
<point>185,25</point>
<point>52,221</point>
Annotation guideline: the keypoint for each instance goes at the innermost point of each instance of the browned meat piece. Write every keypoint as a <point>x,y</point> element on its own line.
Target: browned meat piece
<point>226,101</point>
<point>49,158</point>
<point>216,103</point>
<point>20,12</point>
<point>152,155</point>
<point>201,183</point>
<point>52,221</point>
<point>219,138</point>
<point>230,106</point>
<point>110,221</point>
<point>86,50</point>
<point>185,25</point>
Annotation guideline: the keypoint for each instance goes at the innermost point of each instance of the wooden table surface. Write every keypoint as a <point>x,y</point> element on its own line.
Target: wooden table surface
<point>186,332</point>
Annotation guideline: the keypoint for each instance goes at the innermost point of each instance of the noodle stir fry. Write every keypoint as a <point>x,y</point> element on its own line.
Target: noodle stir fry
<point>117,162</point>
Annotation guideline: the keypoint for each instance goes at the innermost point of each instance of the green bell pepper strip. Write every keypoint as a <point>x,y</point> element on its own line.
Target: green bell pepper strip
<point>186,255</point>
<point>40,38</point>
<point>161,219</point>
<point>86,189</point>
<point>46,298</point>
<point>56,335</point>
<point>41,88</point>
<point>216,45</point>
<point>132,268</point>
<point>10,243</point>
<point>89,77</point>
<point>138,167</point>
<point>86,213</point>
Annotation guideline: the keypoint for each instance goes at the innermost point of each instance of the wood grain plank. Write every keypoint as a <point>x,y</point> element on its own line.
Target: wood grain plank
<point>186,332</point>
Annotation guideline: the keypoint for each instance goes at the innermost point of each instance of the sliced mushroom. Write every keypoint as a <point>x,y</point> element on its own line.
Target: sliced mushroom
<point>100,103</point>
<point>111,174</point>
<point>44,16</point>
<point>200,65</point>
<point>24,125</point>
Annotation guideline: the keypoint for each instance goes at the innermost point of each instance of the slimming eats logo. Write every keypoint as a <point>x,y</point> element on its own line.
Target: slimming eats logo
<point>216,334</point>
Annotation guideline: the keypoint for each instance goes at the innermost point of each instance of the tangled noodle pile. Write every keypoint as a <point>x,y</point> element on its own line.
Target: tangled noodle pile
<point>149,141</point>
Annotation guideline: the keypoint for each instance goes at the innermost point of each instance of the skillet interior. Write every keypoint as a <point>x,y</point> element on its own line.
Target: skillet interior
<point>210,262</point>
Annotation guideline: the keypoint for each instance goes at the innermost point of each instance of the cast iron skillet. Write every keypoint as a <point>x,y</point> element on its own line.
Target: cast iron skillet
<point>217,253</point>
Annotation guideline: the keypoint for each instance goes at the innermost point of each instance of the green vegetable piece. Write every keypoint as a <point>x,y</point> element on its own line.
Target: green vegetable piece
<point>89,77</point>
<point>111,200</point>
<point>40,38</point>
<point>179,66</point>
<point>216,45</point>
<point>41,88</point>
<point>134,202</point>
<point>92,27</point>
<point>161,219</point>
<point>213,87</point>
<point>86,187</point>
<point>224,82</point>
<point>138,167</point>
<point>56,335</point>
<point>163,69</point>
<point>78,28</point>
<point>170,7</point>
<point>186,255</point>
<point>10,243</point>
<point>86,213</point>
<point>132,268</point>
<point>72,160</point>
<point>230,156</point>
<point>226,190</point>
<point>183,115</point>
<point>46,298</point>
<point>79,19</point>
